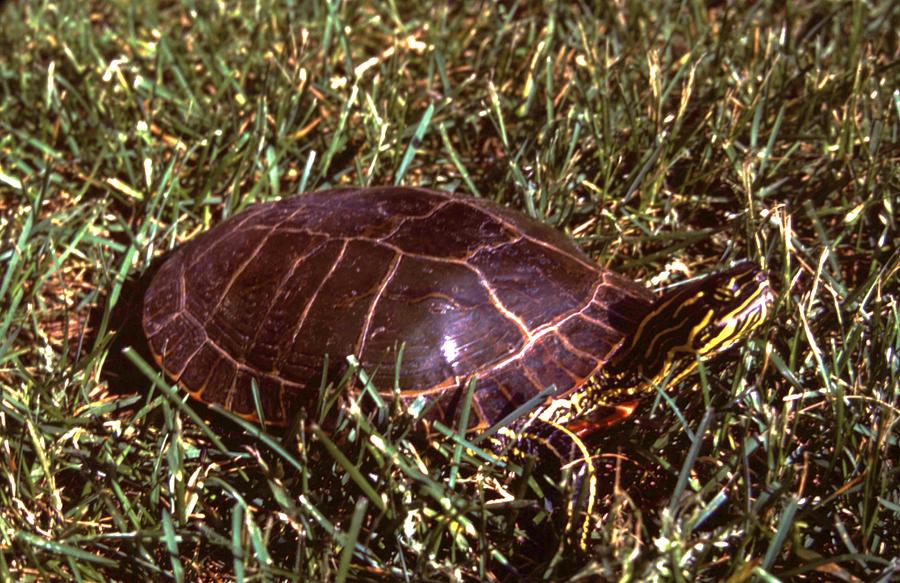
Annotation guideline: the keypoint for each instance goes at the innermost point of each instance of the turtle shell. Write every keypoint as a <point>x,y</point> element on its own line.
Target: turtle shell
<point>284,291</point>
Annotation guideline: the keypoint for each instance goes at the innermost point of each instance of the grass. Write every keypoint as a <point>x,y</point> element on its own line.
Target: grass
<point>668,138</point>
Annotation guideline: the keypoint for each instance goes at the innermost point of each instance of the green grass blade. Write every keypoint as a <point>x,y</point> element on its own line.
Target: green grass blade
<point>417,137</point>
<point>350,539</point>
<point>350,468</point>
<point>174,397</point>
<point>63,549</point>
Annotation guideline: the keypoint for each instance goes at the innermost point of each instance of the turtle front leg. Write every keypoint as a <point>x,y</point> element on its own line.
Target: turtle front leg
<point>559,452</point>
<point>601,417</point>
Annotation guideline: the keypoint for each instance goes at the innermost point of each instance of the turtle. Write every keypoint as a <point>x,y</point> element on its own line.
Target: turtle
<point>470,291</point>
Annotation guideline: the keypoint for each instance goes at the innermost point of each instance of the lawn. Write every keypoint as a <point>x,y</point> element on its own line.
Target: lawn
<point>669,139</point>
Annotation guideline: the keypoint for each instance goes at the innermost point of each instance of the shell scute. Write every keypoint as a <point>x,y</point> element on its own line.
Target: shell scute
<point>525,275</point>
<point>432,307</point>
<point>285,315</point>
<point>502,391</point>
<point>185,338</point>
<point>452,231</point>
<point>268,389</point>
<point>210,267</point>
<point>198,367</point>
<point>163,300</point>
<point>218,387</point>
<point>577,363</point>
<point>336,316</point>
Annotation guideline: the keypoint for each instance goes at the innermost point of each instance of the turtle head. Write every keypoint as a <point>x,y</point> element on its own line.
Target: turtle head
<point>700,319</point>
<point>716,312</point>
